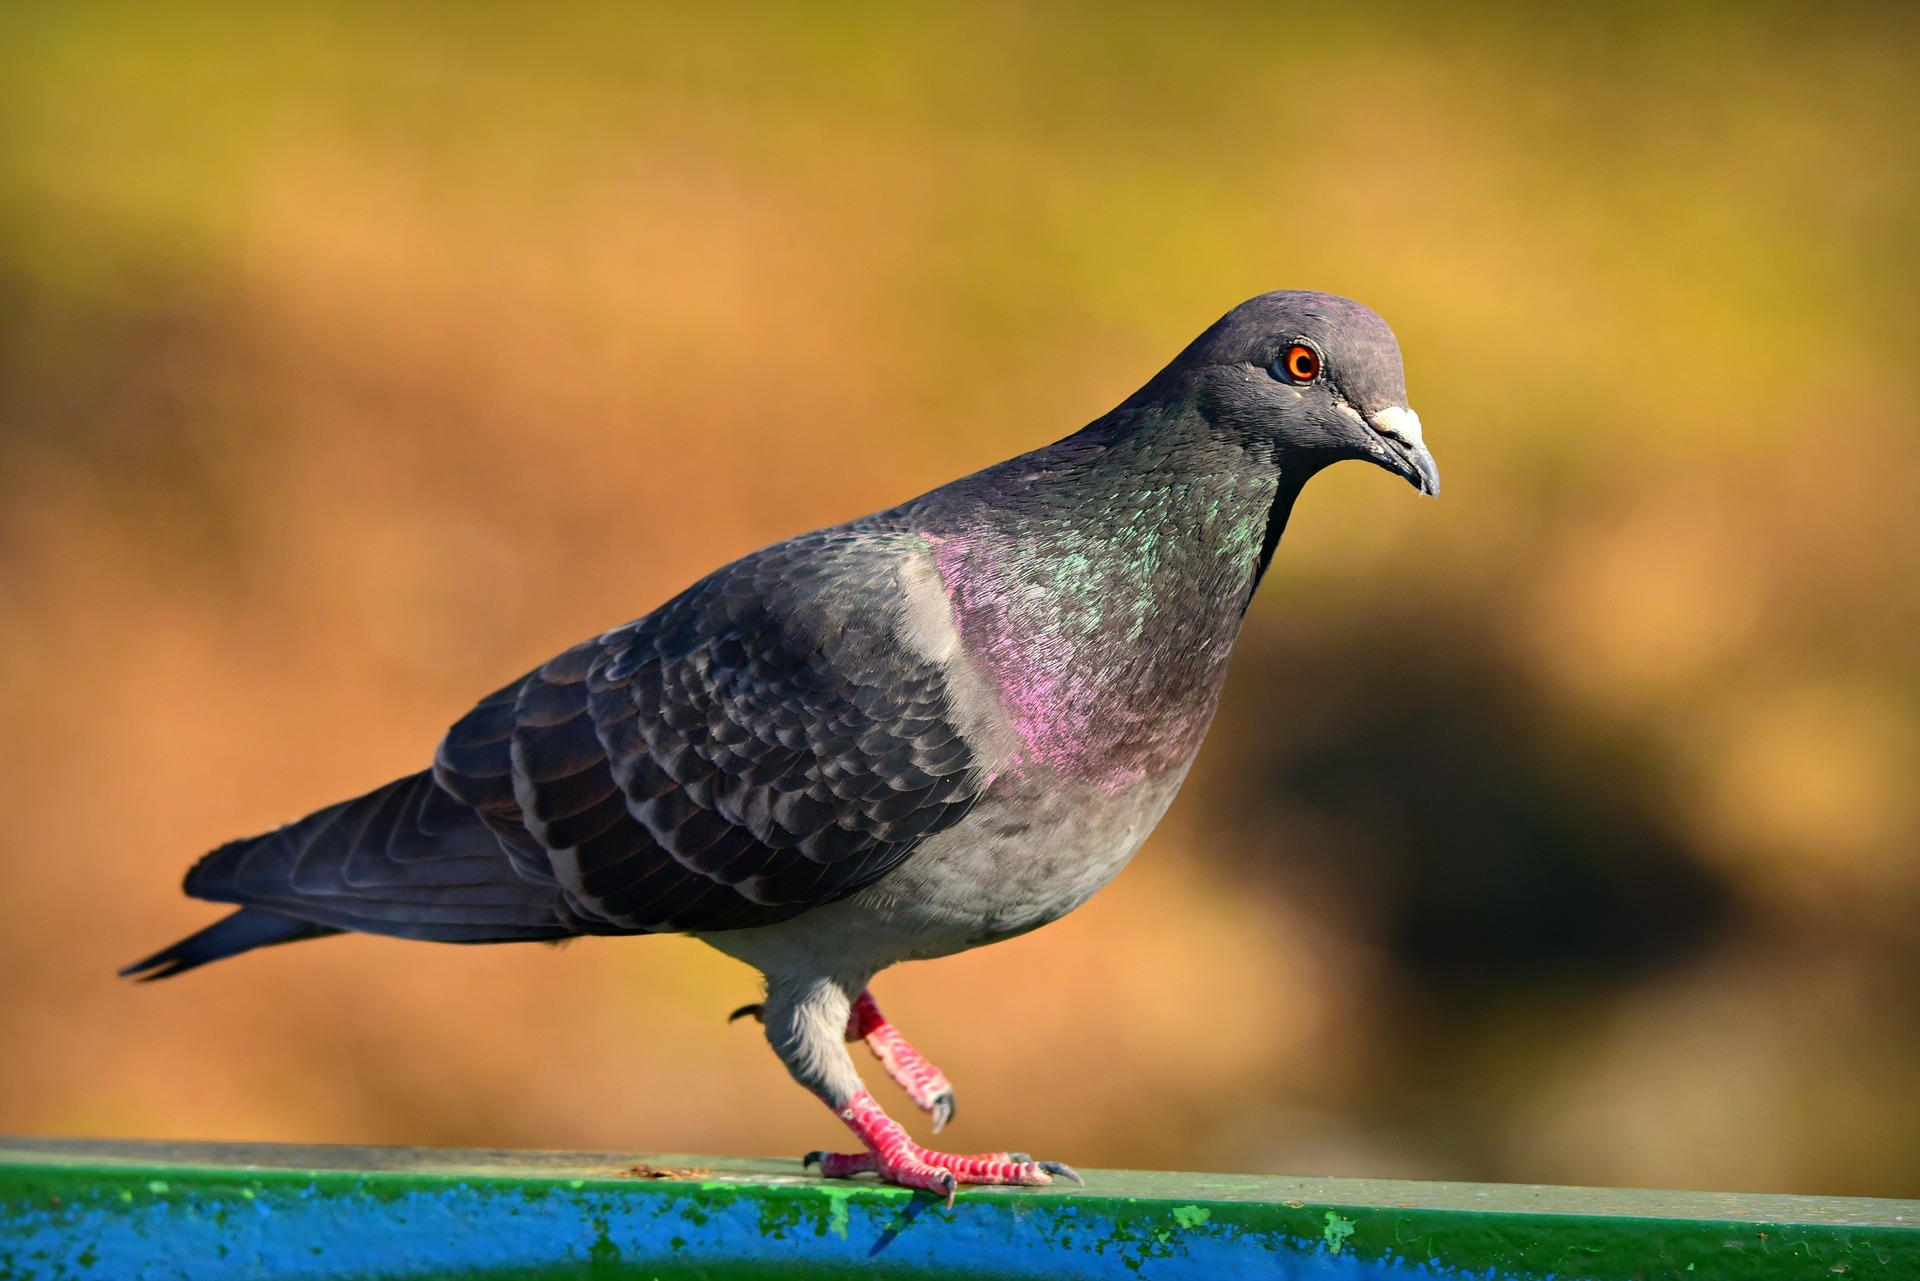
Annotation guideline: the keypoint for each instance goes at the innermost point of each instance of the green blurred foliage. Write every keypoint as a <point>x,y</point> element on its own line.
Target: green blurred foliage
<point>355,357</point>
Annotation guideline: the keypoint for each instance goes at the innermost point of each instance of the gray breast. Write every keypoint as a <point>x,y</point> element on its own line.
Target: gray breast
<point>1027,854</point>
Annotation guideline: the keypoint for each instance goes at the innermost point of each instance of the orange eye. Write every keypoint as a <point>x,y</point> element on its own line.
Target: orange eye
<point>1301,362</point>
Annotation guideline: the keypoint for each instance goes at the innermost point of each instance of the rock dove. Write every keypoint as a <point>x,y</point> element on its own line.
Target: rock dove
<point>932,728</point>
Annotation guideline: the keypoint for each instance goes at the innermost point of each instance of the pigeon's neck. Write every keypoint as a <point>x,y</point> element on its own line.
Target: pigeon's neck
<point>1100,582</point>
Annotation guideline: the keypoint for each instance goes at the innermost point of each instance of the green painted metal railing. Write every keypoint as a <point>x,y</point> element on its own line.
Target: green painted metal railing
<point>86,1209</point>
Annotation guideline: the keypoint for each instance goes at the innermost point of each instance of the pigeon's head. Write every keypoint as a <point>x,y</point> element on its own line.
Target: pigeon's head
<point>1317,375</point>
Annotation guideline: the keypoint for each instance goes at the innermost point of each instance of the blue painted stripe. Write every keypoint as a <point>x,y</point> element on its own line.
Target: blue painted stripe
<point>465,1228</point>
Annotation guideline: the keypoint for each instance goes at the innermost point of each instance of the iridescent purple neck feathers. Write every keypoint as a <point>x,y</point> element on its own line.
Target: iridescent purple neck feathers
<point>1100,582</point>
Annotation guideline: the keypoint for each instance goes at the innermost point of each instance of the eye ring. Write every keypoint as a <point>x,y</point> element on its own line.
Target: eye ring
<point>1299,363</point>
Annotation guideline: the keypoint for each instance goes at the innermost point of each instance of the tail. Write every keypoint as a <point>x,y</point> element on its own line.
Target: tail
<point>406,860</point>
<point>229,936</point>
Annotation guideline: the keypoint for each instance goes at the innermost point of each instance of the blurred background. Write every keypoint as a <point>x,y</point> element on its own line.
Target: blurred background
<point>355,358</point>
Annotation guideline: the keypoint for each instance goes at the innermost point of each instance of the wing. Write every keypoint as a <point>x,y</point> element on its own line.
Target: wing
<point>777,737</point>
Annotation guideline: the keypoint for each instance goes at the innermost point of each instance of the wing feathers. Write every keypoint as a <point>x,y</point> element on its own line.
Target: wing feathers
<point>764,743</point>
<point>775,743</point>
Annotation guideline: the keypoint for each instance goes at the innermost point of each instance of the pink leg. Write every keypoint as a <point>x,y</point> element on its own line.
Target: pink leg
<point>924,1083</point>
<point>898,1159</point>
<point>890,1153</point>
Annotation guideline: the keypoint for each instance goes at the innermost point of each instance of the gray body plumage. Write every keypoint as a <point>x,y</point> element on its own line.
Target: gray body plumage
<point>925,730</point>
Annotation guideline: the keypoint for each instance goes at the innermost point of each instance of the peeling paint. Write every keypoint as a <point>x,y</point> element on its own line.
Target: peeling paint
<point>1338,1230</point>
<point>838,1217</point>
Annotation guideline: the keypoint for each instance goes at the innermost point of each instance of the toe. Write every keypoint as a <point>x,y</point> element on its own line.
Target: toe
<point>837,1165</point>
<point>910,1172</point>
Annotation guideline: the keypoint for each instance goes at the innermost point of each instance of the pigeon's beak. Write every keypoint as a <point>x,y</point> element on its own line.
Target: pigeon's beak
<point>1398,447</point>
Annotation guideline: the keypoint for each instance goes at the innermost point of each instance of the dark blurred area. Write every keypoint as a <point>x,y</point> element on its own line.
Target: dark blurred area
<point>1484,841</point>
<point>353,359</point>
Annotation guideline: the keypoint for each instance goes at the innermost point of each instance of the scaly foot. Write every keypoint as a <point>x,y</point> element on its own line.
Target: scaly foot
<point>924,1083</point>
<point>898,1159</point>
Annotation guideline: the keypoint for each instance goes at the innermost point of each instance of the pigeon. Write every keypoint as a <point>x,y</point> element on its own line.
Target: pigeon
<point>926,730</point>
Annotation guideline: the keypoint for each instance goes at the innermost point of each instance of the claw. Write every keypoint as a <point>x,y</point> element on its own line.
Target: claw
<point>758,1011</point>
<point>942,1110</point>
<point>811,1159</point>
<point>952,1185</point>
<point>1062,1170</point>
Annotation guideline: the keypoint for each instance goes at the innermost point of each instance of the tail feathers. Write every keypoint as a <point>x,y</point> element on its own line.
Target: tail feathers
<point>406,860</point>
<point>243,931</point>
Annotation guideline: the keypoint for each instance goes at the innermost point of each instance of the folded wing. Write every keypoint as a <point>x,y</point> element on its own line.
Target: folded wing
<point>777,737</point>
<point>774,739</point>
